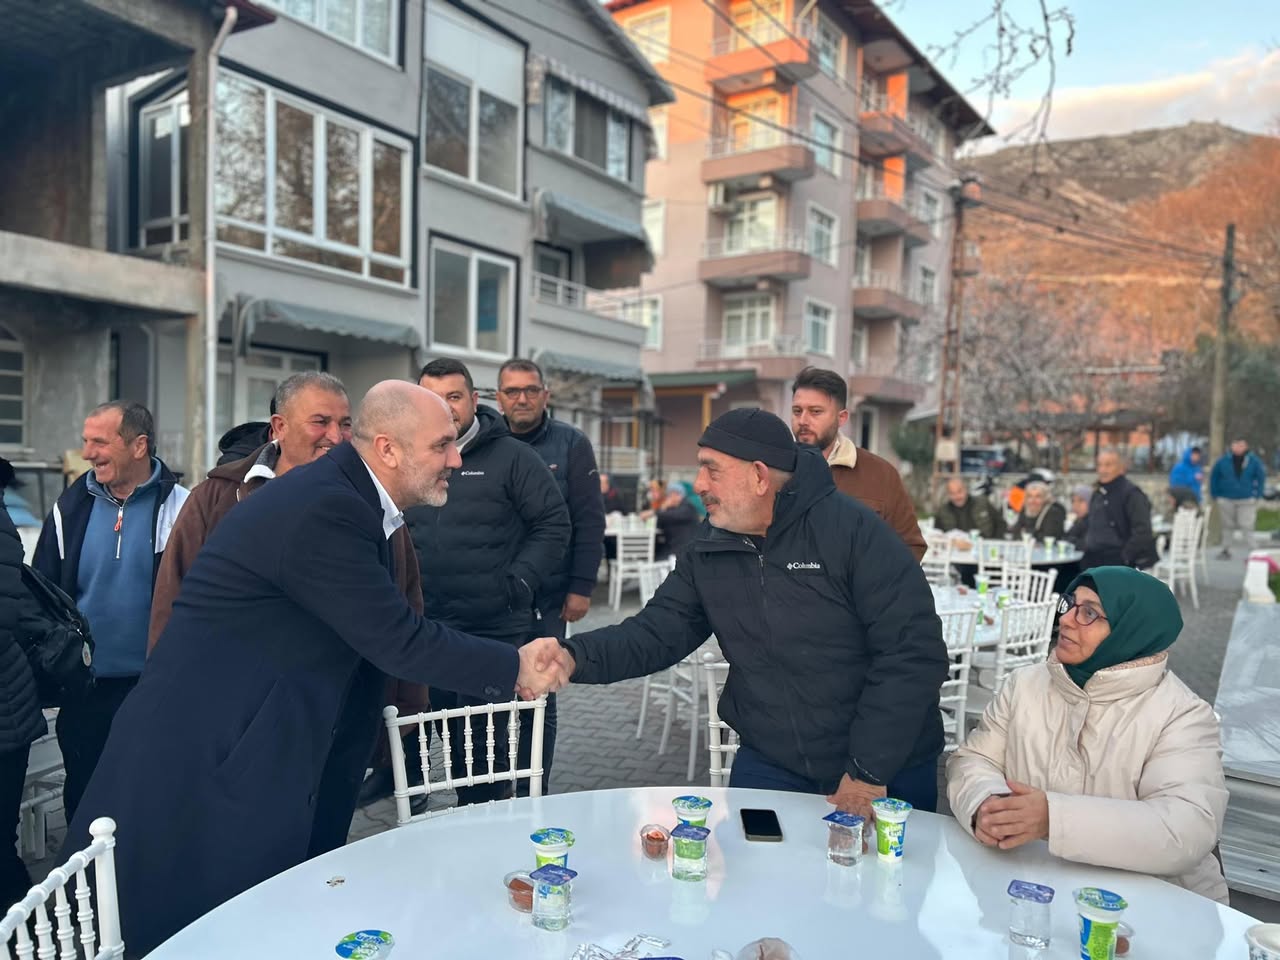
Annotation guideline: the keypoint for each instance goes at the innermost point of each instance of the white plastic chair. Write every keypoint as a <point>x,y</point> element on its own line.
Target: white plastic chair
<point>41,793</point>
<point>1202,548</point>
<point>993,555</point>
<point>635,548</point>
<point>1026,630</point>
<point>1039,585</point>
<point>722,740</point>
<point>936,562</point>
<point>1014,580</point>
<point>59,937</point>
<point>437,720</point>
<point>1177,567</point>
<point>651,576</point>
<point>958,627</point>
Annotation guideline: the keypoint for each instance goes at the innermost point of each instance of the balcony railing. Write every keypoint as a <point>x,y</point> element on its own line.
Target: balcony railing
<point>575,296</point>
<point>879,367</point>
<point>764,138</point>
<point>882,280</point>
<point>909,201</point>
<point>782,345</point>
<point>763,31</point>
<point>717,247</point>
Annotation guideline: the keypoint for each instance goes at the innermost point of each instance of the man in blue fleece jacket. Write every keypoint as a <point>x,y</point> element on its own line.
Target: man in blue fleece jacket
<point>102,544</point>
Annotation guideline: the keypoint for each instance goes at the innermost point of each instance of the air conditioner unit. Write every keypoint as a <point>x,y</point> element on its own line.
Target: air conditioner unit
<point>719,198</point>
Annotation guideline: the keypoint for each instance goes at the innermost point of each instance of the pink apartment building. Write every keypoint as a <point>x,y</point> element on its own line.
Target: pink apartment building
<point>799,208</point>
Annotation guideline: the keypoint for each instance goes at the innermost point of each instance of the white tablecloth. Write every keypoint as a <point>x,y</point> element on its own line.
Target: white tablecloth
<point>1040,557</point>
<point>437,887</point>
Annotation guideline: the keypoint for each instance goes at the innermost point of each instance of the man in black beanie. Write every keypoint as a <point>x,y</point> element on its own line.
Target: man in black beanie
<point>835,652</point>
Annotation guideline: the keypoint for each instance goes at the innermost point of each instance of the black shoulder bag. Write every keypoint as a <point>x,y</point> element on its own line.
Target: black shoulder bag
<point>55,636</point>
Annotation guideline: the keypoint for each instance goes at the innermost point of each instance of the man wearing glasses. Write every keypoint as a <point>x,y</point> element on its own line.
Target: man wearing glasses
<point>523,396</point>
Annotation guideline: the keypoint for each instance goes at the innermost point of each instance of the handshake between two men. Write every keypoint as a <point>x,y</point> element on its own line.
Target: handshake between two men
<point>545,667</point>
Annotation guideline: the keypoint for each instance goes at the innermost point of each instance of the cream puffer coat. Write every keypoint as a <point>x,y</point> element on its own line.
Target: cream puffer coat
<point>1131,764</point>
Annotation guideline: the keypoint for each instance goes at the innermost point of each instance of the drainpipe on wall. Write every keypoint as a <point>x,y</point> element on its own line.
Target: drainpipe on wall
<point>210,242</point>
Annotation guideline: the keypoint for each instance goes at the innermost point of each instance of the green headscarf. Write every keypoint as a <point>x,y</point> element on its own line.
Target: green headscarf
<point>1141,611</point>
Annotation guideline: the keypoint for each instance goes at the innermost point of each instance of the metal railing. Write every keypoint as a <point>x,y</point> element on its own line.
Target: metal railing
<point>879,367</point>
<point>781,345</point>
<point>576,296</point>
<point>750,242</point>
<point>764,30</point>
<point>761,138</point>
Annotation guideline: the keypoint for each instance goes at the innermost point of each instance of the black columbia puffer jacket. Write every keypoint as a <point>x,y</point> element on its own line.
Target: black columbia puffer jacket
<point>486,554</point>
<point>835,652</point>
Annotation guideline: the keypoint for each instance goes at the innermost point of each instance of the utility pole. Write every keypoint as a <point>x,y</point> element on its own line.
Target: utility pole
<point>1227,300</point>
<point>947,432</point>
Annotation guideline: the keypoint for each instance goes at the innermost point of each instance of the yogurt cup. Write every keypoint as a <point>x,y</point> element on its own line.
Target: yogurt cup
<point>551,846</point>
<point>1048,544</point>
<point>365,945</point>
<point>1264,941</point>
<point>1100,911</point>
<point>692,810</point>
<point>891,826</point>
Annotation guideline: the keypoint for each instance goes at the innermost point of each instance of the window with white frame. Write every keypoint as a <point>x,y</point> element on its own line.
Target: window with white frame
<point>754,124</point>
<point>162,173</point>
<point>647,312</point>
<point>756,22</point>
<point>295,180</point>
<point>861,261</point>
<point>928,286</point>
<point>371,25</point>
<point>823,230</point>
<point>655,225</point>
<point>472,305</point>
<point>817,326</point>
<point>858,348</point>
<point>828,45</point>
<point>658,126</point>
<point>577,123</point>
<point>471,132</point>
<point>257,375</point>
<point>746,319</point>
<point>13,389</point>
<point>929,205</point>
<point>826,143</point>
<point>651,33</point>
<point>753,225</point>
<point>474,82</point>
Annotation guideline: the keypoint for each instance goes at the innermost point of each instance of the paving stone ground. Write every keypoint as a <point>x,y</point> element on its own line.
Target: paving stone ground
<point>597,748</point>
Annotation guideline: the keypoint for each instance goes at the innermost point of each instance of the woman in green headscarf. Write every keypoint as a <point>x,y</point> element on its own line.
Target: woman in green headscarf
<point>1101,750</point>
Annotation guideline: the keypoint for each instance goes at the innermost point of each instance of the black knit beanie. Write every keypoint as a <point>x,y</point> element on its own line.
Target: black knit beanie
<point>752,434</point>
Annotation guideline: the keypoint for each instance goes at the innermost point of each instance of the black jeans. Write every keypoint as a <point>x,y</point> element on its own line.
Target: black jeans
<point>83,726</point>
<point>917,785</point>
<point>14,879</point>
<point>484,792</point>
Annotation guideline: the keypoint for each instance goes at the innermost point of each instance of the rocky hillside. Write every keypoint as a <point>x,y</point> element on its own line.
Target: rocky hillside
<point>1076,219</point>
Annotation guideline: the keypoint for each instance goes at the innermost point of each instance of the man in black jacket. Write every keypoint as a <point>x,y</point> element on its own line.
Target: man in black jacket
<point>835,652</point>
<point>1118,525</point>
<point>523,397</point>
<point>488,554</point>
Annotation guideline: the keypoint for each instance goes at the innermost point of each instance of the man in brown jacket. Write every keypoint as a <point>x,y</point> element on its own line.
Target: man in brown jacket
<point>818,401</point>
<point>312,416</point>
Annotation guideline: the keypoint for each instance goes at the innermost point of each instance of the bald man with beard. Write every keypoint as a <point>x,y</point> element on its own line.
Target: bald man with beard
<point>214,762</point>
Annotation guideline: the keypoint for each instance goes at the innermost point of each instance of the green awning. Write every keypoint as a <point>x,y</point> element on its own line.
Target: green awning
<point>572,363</point>
<point>327,321</point>
<point>702,378</point>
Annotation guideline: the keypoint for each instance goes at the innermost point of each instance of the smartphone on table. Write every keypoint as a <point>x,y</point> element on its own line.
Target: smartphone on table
<point>761,825</point>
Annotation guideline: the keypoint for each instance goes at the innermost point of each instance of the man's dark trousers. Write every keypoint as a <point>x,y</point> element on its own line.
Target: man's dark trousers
<point>917,785</point>
<point>82,728</point>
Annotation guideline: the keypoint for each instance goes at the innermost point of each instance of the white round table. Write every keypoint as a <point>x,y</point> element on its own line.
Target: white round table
<point>436,886</point>
<point>1040,557</point>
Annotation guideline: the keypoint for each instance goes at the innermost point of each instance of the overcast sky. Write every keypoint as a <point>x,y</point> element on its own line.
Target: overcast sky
<point>1136,63</point>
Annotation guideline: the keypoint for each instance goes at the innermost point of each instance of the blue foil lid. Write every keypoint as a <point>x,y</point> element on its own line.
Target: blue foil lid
<point>553,874</point>
<point>1100,899</point>
<point>844,819</point>
<point>687,831</point>
<point>1035,892</point>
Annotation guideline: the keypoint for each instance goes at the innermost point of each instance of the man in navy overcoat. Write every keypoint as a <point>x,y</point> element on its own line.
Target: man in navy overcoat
<point>214,761</point>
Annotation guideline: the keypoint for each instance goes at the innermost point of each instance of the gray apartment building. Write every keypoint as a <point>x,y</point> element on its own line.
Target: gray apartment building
<point>800,208</point>
<point>386,187</point>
